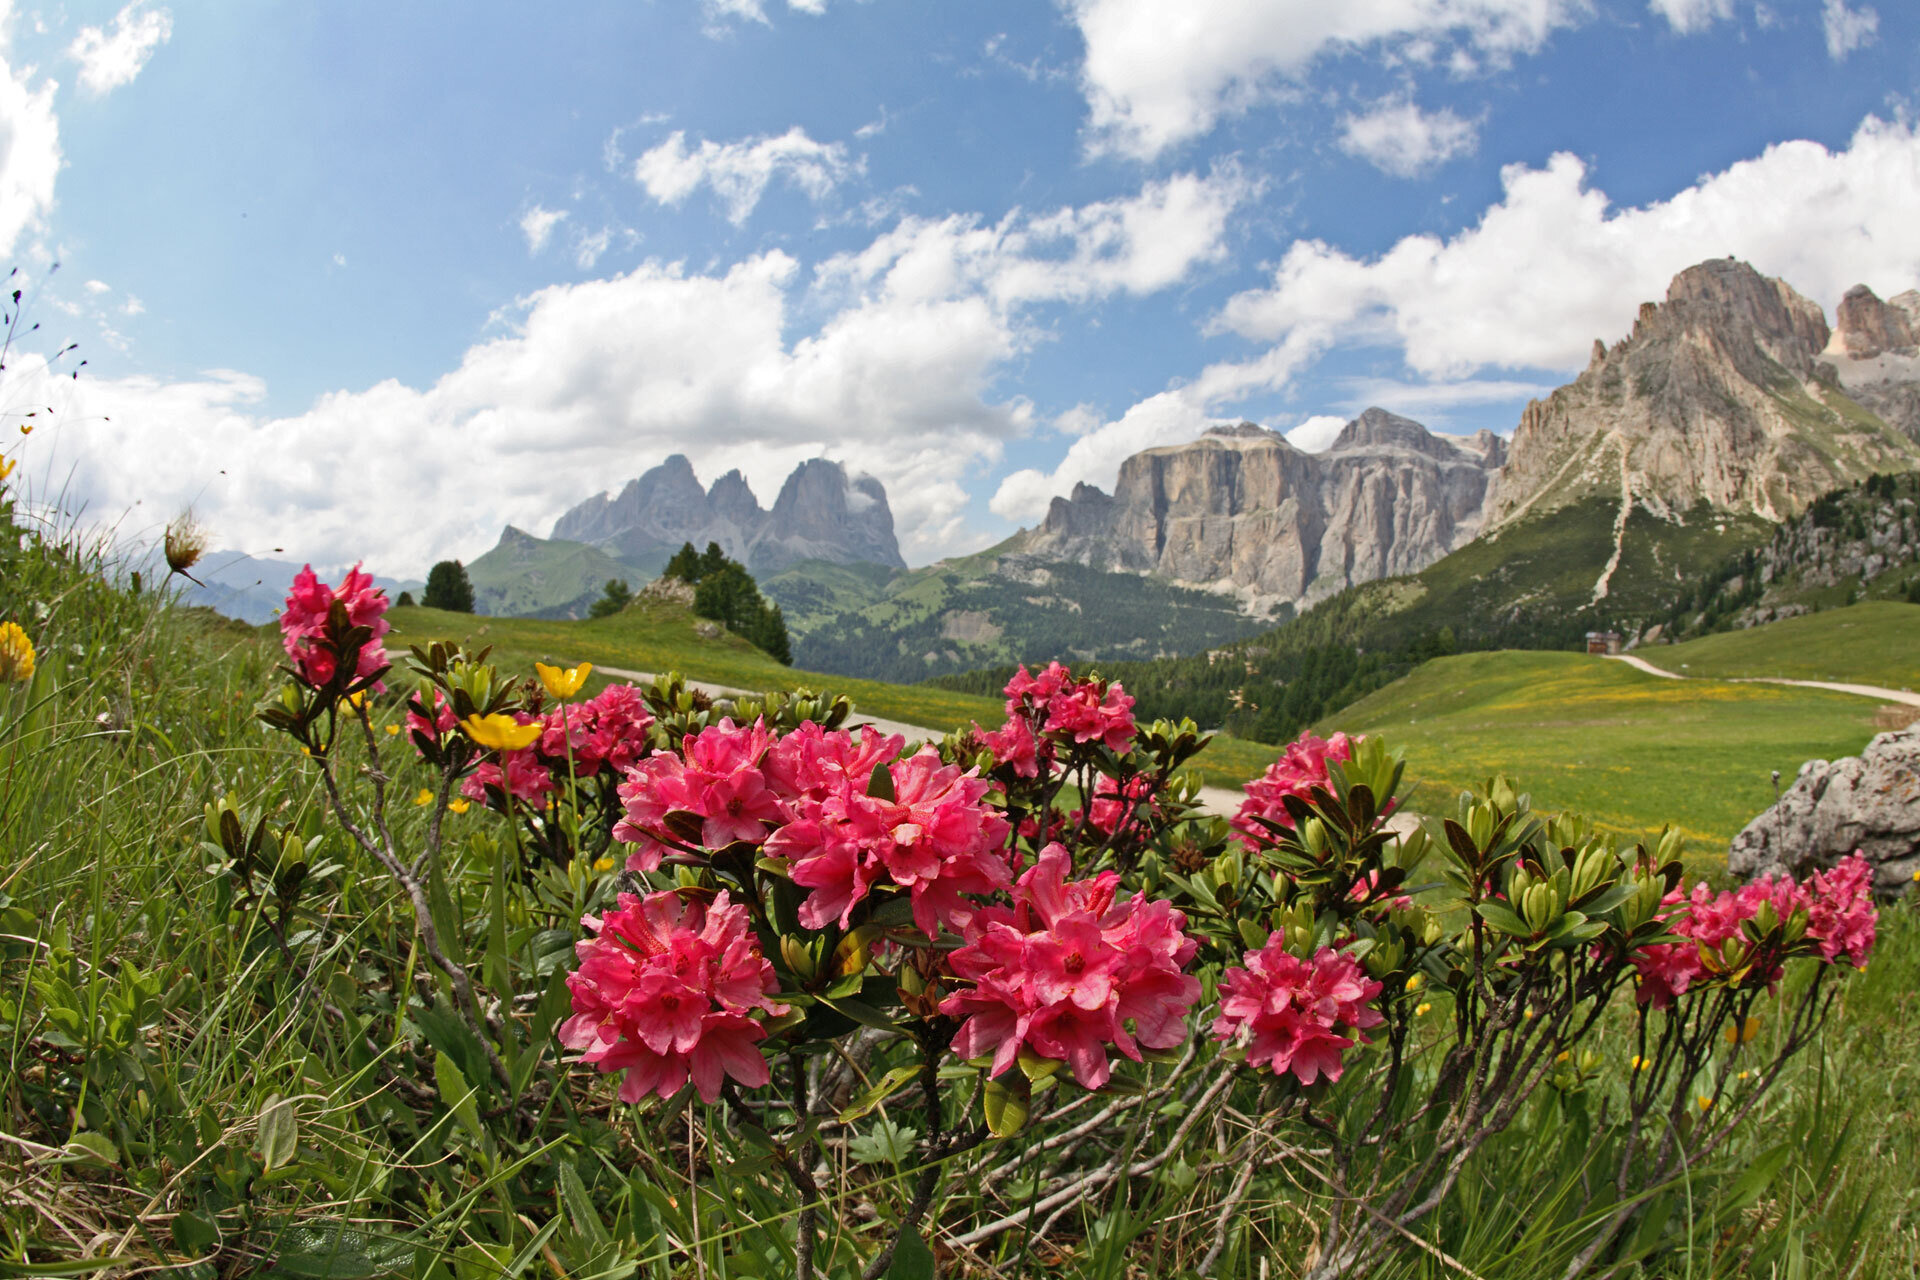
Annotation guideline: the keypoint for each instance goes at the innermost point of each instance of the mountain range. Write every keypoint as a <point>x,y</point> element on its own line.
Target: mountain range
<point>822,513</point>
<point>1729,406</point>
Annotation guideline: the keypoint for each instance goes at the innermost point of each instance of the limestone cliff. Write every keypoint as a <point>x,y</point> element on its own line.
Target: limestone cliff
<point>1242,509</point>
<point>1876,354</point>
<point>1720,395</point>
<point>821,514</point>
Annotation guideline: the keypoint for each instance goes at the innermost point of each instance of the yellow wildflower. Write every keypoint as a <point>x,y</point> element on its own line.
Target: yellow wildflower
<point>6,467</point>
<point>1745,1074</point>
<point>502,733</point>
<point>1641,1064</point>
<point>458,805</point>
<point>1563,1055</point>
<point>1415,982</point>
<point>1705,1103</point>
<point>1422,1009</point>
<point>603,865</point>
<point>16,653</point>
<point>357,700</point>
<point>1741,1031</point>
<point>393,730</point>
<point>26,428</point>
<point>424,798</point>
<point>560,684</point>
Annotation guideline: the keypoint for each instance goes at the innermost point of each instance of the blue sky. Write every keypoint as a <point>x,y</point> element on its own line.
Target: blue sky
<point>370,280</point>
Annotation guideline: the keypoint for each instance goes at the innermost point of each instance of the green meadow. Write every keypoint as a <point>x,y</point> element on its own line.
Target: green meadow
<point>1873,642</point>
<point>1631,750</point>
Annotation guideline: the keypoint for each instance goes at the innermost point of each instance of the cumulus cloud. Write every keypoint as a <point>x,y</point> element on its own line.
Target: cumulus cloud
<point>1316,434</point>
<point>1157,74</point>
<point>1554,265</point>
<point>739,172</point>
<point>1545,271</point>
<point>595,381</point>
<point>1400,139</point>
<point>1173,416</point>
<point>1847,29</point>
<point>1689,16</point>
<point>29,149</point>
<point>537,225</point>
<point>110,59</point>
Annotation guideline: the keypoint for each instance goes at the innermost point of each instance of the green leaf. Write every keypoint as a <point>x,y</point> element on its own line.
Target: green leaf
<point>860,1011</point>
<point>1503,918</point>
<point>457,1094</point>
<point>579,1205</point>
<point>91,1148</point>
<point>912,1260</point>
<point>1006,1106</point>
<point>880,785</point>
<point>888,1085</point>
<point>279,1132</point>
<point>194,1233</point>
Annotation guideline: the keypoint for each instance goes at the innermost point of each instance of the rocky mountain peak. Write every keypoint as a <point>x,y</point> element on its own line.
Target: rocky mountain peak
<point>820,514</point>
<point>1243,510</point>
<point>1378,429</point>
<point>1719,395</point>
<point>1865,327</point>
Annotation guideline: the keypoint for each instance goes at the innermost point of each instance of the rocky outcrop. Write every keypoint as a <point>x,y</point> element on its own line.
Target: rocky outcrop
<point>1720,394</point>
<point>821,514</point>
<point>1242,509</point>
<point>1875,353</point>
<point>1869,802</point>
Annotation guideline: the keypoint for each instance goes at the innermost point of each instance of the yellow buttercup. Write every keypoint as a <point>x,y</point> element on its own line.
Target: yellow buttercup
<point>502,733</point>
<point>562,684</point>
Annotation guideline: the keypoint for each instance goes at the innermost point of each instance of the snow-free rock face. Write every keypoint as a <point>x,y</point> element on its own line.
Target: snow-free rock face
<point>1720,395</point>
<point>1876,354</point>
<point>820,514</point>
<point>1869,802</point>
<point>1242,508</point>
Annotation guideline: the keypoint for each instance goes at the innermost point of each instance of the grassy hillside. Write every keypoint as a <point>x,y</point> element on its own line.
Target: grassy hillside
<point>994,607</point>
<point>1631,749</point>
<point>1873,642</point>
<point>525,576</point>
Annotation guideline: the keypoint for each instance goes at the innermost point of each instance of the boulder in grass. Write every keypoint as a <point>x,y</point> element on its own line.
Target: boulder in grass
<point>1869,802</point>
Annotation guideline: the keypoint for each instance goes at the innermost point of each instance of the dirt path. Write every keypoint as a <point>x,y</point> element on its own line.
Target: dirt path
<point>1863,690</point>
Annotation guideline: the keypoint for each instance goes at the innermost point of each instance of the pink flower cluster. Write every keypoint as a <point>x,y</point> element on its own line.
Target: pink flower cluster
<point>608,731</point>
<point>1841,920</point>
<point>1114,801</point>
<point>809,798</point>
<point>303,624</point>
<point>1053,709</point>
<point>1288,1013</point>
<point>1300,768</point>
<point>1068,971</point>
<point>666,991</point>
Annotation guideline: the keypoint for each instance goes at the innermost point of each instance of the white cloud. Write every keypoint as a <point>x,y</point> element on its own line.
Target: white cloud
<point>1432,403</point>
<point>98,287</point>
<point>1316,434</point>
<point>721,12</point>
<point>600,379</point>
<point>1847,29</point>
<point>537,224</point>
<point>738,172</point>
<point>1173,416</point>
<point>589,245</point>
<point>1545,272</point>
<point>109,60</point>
<point>1554,266</point>
<point>1157,74</point>
<point>29,148</point>
<point>1689,16</point>
<point>1398,138</point>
